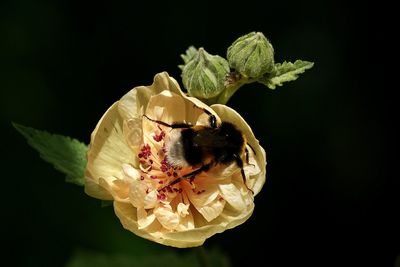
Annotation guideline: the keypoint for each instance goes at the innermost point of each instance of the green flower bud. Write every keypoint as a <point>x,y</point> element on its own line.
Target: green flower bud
<point>251,55</point>
<point>204,75</point>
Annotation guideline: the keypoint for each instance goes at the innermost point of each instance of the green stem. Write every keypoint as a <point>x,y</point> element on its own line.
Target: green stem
<point>231,89</point>
<point>228,92</point>
<point>203,257</point>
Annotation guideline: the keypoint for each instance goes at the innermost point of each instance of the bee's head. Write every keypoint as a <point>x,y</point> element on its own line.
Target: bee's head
<point>230,133</point>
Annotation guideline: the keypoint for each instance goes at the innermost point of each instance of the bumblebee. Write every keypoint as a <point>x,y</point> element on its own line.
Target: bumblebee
<point>204,147</point>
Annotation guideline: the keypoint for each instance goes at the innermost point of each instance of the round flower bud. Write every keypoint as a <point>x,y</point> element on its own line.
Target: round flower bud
<point>204,75</point>
<point>252,55</point>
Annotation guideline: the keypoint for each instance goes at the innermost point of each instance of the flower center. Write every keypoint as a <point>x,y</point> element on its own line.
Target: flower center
<point>157,172</point>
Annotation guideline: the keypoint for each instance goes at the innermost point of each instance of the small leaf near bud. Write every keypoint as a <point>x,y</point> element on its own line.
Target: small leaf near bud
<point>190,53</point>
<point>204,75</point>
<point>252,55</point>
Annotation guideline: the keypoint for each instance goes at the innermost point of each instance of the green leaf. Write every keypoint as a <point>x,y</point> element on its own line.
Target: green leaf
<point>66,154</point>
<point>83,258</point>
<point>285,72</point>
<point>190,53</point>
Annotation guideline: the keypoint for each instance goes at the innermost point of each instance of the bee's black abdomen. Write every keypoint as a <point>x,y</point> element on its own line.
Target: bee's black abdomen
<point>192,152</point>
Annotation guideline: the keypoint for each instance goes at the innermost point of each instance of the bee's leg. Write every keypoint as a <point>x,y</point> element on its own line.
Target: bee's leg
<point>247,155</point>
<point>203,168</point>
<point>252,149</point>
<point>239,162</point>
<point>178,125</point>
<point>246,151</point>
<point>211,118</point>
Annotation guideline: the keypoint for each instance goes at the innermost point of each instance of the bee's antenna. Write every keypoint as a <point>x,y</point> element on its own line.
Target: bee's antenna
<point>178,125</point>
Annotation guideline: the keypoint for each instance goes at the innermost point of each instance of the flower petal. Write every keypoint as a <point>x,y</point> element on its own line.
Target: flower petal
<point>233,196</point>
<point>206,190</point>
<point>135,101</point>
<point>150,200</point>
<point>228,219</point>
<point>167,107</point>
<point>144,219</point>
<point>182,209</point>
<point>137,193</point>
<point>133,133</point>
<point>108,149</point>
<point>186,223</point>
<point>167,218</point>
<point>130,173</point>
<point>212,210</point>
<point>128,217</point>
<point>93,189</point>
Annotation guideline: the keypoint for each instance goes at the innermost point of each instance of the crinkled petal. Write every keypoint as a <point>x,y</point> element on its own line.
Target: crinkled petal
<point>182,209</point>
<point>206,190</point>
<point>167,218</point>
<point>212,210</point>
<point>228,219</point>
<point>117,188</point>
<point>144,219</point>
<point>135,101</point>
<point>150,200</point>
<point>130,173</point>
<point>108,149</point>
<point>137,193</point>
<point>93,189</point>
<point>232,195</point>
<point>167,107</point>
<point>186,222</point>
<point>205,196</point>
<point>133,133</point>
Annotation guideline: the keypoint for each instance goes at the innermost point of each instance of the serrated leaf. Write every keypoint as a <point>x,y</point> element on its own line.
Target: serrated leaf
<point>190,53</point>
<point>67,155</point>
<point>285,72</point>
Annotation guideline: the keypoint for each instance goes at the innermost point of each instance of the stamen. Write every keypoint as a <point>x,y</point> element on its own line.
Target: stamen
<point>161,196</point>
<point>145,151</point>
<point>159,137</point>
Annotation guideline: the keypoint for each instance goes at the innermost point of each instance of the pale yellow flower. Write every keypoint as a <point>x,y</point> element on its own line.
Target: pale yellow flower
<point>127,164</point>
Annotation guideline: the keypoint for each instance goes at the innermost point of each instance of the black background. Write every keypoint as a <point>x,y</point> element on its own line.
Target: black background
<point>332,192</point>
